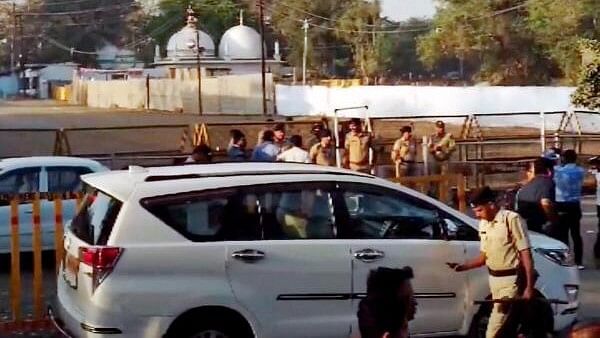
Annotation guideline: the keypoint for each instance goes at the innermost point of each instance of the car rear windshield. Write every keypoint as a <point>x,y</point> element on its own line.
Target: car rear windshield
<point>96,217</point>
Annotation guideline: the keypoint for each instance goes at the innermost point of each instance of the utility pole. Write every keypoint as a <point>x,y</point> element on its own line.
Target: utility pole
<point>305,53</point>
<point>199,70</point>
<point>22,57</point>
<point>262,56</point>
<point>13,37</point>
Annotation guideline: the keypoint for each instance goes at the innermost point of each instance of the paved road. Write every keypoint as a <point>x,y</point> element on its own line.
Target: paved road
<point>590,277</point>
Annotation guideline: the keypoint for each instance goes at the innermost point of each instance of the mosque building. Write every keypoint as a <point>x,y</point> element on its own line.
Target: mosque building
<point>238,53</point>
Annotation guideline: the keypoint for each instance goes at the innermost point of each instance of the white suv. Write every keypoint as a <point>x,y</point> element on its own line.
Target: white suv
<point>39,174</point>
<point>270,250</point>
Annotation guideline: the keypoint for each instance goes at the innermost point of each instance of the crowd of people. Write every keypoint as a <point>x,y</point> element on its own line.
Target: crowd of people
<point>548,201</point>
<point>356,153</point>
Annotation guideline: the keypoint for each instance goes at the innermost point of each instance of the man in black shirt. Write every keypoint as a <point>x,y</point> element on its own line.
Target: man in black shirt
<point>535,200</point>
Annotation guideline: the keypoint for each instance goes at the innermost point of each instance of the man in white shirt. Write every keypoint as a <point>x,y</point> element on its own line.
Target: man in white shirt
<point>295,153</point>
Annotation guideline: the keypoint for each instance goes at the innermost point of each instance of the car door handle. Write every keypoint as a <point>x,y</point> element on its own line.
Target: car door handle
<point>369,255</point>
<point>248,255</point>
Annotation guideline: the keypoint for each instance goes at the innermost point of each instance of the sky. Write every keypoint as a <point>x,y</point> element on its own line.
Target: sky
<point>404,9</point>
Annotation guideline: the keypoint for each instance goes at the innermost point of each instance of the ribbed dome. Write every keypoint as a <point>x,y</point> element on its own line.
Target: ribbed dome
<point>178,43</point>
<point>240,42</point>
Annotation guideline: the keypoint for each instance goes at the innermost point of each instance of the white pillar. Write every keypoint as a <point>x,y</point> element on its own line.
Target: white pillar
<point>305,55</point>
<point>425,156</point>
<point>543,132</point>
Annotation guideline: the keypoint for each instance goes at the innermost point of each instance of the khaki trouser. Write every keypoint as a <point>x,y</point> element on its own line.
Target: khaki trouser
<point>501,287</point>
<point>438,167</point>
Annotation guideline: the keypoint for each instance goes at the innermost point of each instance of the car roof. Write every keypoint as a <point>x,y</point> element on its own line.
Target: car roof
<point>121,183</point>
<point>34,161</point>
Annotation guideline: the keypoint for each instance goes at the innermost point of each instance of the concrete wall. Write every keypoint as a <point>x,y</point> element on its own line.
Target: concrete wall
<point>235,94</point>
<point>398,101</point>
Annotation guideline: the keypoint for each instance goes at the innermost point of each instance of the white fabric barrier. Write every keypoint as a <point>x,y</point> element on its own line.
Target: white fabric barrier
<point>399,101</point>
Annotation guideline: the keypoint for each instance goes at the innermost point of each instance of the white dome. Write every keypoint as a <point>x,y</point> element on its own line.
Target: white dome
<point>178,43</point>
<point>240,42</point>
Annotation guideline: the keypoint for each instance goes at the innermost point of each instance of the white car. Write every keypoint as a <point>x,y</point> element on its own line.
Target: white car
<point>270,250</point>
<point>54,174</point>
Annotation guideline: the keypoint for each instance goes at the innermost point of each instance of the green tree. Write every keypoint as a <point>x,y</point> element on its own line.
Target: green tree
<point>52,27</point>
<point>371,51</point>
<point>497,38</point>
<point>587,93</point>
<point>511,41</point>
<point>322,55</point>
<point>558,25</point>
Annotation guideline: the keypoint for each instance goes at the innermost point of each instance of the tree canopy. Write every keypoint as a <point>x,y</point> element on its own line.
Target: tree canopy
<point>587,93</point>
<point>511,41</point>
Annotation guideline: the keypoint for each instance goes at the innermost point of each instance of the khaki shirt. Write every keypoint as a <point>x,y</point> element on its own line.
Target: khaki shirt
<point>446,143</point>
<point>357,148</point>
<point>405,150</point>
<point>502,239</point>
<point>321,155</point>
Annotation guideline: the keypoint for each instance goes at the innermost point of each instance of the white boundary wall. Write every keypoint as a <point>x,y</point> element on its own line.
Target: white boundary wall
<point>398,101</point>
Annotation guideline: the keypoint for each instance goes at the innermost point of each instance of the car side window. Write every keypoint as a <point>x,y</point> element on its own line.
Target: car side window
<point>218,215</point>
<point>65,179</point>
<point>19,181</point>
<point>375,213</point>
<point>459,230</point>
<point>296,211</point>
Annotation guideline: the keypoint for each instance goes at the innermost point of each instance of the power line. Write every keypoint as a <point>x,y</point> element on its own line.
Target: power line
<point>399,31</point>
<point>319,16</point>
<point>84,11</point>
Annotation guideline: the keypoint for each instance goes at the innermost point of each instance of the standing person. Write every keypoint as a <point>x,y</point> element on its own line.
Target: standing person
<point>389,306</point>
<point>295,153</point>
<point>356,146</point>
<point>315,135</point>
<point>261,132</point>
<point>536,199</point>
<point>279,137</point>
<point>237,146</point>
<point>569,182</point>
<point>595,162</point>
<point>404,153</point>
<point>266,151</point>
<point>200,154</point>
<point>323,153</point>
<point>505,250</point>
<point>441,146</point>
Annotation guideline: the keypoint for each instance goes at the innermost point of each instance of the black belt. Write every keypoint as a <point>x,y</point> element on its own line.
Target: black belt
<point>503,273</point>
<point>407,162</point>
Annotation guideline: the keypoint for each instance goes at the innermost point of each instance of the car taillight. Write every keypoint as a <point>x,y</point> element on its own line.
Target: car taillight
<point>102,260</point>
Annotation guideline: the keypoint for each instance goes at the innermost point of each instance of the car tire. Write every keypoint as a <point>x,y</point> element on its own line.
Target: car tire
<point>213,327</point>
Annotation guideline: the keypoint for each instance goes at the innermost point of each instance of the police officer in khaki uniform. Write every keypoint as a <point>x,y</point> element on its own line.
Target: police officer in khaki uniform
<point>357,145</point>
<point>404,153</point>
<point>505,249</point>
<point>323,153</point>
<point>441,146</point>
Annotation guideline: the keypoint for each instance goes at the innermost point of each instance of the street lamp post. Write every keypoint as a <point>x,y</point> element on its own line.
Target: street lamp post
<point>195,45</point>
